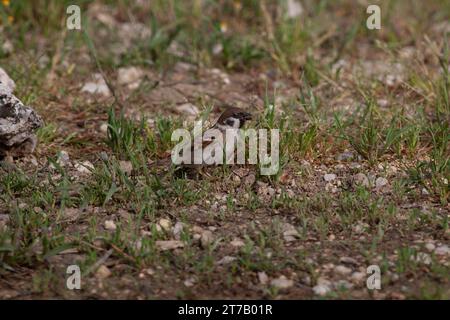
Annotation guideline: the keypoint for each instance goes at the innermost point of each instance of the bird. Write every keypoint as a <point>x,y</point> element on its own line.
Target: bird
<point>232,118</point>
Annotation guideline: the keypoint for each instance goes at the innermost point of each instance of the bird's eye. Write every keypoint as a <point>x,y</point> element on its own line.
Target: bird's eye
<point>230,122</point>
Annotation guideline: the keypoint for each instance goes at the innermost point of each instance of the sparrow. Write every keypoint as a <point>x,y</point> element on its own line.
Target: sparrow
<point>232,118</point>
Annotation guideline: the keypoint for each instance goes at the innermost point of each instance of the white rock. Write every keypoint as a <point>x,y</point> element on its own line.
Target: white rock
<point>358,277</point>
<point>422,257</point>
<point>380,182</point>
<point>442,250</point>
<point>237,243</point>
<point>188,109</point>
<point>342,270</point>
<point>282,283</point>
<point>321,289</point>
<point>110,225</point>
<point>294,9</point>
<point>329,177</point>
<point>165,224</point>
<point>430,246</point>
<point>130,76</point>
<point>263,278</point>
<point>177,230</point>
<point>7,47</point>
<point>169,244</point>
<point>104,128</point>
<point>126,166</point>
<point>226,260</point>
<point>6,81</point>
<point>97,86</point>
<point>84,167</point>
<point>103,272</point>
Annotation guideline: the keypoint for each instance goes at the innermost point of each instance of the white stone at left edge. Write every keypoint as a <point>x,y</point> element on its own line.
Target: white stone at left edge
<point>97,86</point>
<point>7,82</point>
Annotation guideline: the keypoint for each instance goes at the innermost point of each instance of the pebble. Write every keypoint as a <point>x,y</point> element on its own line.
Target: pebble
<point>110,225</point>
<point>206,238</point>
<point>97,86</point>
<point>165,224</point>
<point>442,250</point>
<point>169,244</point>
<point>282,283</point>
<point>358,277</point>
<point>263,278</point>
<point>188,109</point>
<point>126,167</point>
<point>360,179</point>
<point>329,177</point>
<point>345,156</point>
<point>430,246</point>
<point>342,270</point>
<point>321,289</point>
<point>103,272</point>
<point>237,243</point>
<point>226,260</point>
<point>380,182</point>
<point>85,167</point>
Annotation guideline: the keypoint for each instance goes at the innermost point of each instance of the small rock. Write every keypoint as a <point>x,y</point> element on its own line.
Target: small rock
<point>6,81</point>
<point>189,282</point>
<point>342,270</point>
<point>188,109</point>
<point>226,260</point>
<point>249,179</point>
<point>430,246</point>
<point>360,179</point>
<point>110,225</point>
<point>380,182</point>
<point>206,239</point>
<point>126,167</point>
<point>282,283</point>
<point>85,167</point>
<point>169,244</point>
<point>103,272</point>
<point>345,156</point>
<point>130,76</point>
<point>321,289</point>
<point>104,128</point>
<point>237,243</point>
<point>97,86</point>
<point>422,257</point>
<point>358,277</point>
<point>294,9</point>
<point>165,224</point>
<point>263,278</point>
<point>329,177</point>
<point>177,229</point>
<point>63,158</point>
<point>442,250</point>
<point>7,47</point>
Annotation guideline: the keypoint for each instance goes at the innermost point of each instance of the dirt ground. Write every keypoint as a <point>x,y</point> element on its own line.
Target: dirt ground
<point>364,125</point>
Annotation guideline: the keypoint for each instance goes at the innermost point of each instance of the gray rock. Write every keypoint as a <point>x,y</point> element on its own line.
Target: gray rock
<point>329,177</point>
<point>360,179</point>
<point>6,81</point>
<point>381,182</point>
<point>18,124</point>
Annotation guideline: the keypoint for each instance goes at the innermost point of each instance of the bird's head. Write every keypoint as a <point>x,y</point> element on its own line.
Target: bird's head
<point>233,118</point>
